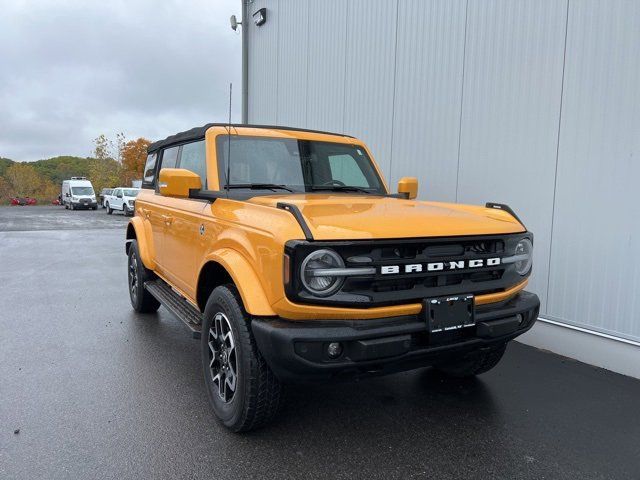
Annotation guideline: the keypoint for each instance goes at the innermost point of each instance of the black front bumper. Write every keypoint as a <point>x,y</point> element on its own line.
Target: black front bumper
<point>296,351</point>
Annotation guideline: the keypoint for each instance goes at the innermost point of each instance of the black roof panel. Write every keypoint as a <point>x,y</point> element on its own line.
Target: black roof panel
<point>198,133</point>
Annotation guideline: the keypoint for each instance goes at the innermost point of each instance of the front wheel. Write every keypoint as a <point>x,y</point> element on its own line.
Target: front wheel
<point>481,363</point>
<point>141,300</point>
<point>243,391</point>
<point>109,210</point>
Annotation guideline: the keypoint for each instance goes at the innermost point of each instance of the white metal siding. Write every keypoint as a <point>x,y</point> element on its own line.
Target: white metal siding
<point>483,102</point>
<point>369,79</point>
<point>292,62</point>
<point>511,103</point>
<point>428,88</point>
<point>595,255</point>
<point>263,65</point>
<point>327,54</point>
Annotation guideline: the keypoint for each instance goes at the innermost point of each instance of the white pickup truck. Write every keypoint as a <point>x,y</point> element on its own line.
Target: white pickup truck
<point>122,199</point>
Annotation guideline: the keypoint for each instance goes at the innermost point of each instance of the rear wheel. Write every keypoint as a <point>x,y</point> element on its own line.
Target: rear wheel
<point>243,391</point>
<point>141,300</point>
<point>481,363</point>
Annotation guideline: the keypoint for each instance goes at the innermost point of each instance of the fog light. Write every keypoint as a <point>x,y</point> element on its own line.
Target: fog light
<point>334,349</point>
<point>520,318</point>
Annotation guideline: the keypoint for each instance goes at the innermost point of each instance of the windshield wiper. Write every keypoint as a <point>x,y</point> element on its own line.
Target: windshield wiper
<point>260,186</point>
<point>340,188</point>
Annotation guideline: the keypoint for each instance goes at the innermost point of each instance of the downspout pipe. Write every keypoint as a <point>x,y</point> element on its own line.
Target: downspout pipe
<point>245,61</point>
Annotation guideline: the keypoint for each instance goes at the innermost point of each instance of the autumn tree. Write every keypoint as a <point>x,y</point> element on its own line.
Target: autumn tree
<point>24,180</point>
<point>6,190</point>
<point>134,156</point>
<point>105,173</point>
<point>105,170</point>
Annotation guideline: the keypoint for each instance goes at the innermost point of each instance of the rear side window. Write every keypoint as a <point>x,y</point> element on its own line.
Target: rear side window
<point>149,175</point>
<point>193,157</point>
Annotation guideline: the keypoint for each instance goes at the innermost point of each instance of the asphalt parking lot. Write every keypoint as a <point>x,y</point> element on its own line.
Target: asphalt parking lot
<point>97,391</point>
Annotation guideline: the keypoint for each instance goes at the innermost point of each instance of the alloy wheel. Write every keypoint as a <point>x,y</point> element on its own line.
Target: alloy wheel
<point>222,357</point>
<point>133,276</point>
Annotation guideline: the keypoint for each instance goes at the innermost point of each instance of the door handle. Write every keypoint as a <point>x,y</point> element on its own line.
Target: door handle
<point>167,219</point>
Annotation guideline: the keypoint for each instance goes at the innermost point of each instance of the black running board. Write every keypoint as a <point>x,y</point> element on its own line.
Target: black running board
<point>176,304</point>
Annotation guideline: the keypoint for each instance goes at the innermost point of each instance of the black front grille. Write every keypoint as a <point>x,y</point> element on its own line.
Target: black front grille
<point>387,289</point>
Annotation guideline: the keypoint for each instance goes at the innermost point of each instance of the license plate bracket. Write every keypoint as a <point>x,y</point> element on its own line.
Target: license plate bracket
<point>445,314</point>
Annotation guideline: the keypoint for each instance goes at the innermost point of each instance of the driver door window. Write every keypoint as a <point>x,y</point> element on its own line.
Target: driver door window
<point>170,157</point>
<point>194,158</point>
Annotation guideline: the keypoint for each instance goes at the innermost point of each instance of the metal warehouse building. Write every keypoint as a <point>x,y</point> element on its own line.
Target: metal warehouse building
<point>526,102</point>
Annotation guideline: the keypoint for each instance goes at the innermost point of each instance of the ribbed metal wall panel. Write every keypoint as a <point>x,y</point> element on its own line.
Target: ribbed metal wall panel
<point>595,256</point>
<point>369,80</point>
<point>511,105</point>
<point>326,67</point>
<point>293,18</point>
<point>263,64</point>
<point>480,100</point>
<point>428,88</point>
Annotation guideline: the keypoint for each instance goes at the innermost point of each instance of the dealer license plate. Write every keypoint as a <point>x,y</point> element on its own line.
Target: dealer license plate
<point>450,313</point>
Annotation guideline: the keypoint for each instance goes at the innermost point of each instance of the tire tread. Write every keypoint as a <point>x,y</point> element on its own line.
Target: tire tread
<point>262,398</point>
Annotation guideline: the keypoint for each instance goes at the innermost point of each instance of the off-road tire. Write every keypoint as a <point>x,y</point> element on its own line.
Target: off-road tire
<point>474,366</point>
<point>109,209</point>
<point>141,300</point>
<point>256,399</point>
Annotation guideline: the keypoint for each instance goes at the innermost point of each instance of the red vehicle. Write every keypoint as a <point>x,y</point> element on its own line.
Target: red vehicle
<point>22,201</point>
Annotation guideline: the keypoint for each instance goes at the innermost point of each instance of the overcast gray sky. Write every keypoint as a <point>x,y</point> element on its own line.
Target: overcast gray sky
<point>70,70</point>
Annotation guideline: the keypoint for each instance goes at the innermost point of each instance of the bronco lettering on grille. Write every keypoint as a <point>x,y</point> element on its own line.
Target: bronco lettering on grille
<point>439,266</point>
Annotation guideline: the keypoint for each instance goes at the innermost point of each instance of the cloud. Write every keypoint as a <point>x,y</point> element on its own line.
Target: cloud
<point>70,71</point>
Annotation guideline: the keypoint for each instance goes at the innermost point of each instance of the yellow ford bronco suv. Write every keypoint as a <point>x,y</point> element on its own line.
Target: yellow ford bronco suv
<point>285,252</point>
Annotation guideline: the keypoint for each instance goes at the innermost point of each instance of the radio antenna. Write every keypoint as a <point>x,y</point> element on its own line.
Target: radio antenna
<point>229,142</point>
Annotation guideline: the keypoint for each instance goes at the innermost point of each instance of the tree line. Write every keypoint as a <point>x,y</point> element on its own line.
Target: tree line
<point>113,163</point>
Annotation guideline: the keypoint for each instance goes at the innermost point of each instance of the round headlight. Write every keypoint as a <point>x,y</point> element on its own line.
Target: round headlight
<point>523,254</point>
<point>314,276</point>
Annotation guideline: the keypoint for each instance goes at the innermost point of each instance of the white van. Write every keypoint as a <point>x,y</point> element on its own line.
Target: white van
<point>78,193</point>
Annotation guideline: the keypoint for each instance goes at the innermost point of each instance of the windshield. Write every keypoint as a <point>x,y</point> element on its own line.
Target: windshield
<point>129,192</point>
<point>299,165</point>
<point>82,190</point>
